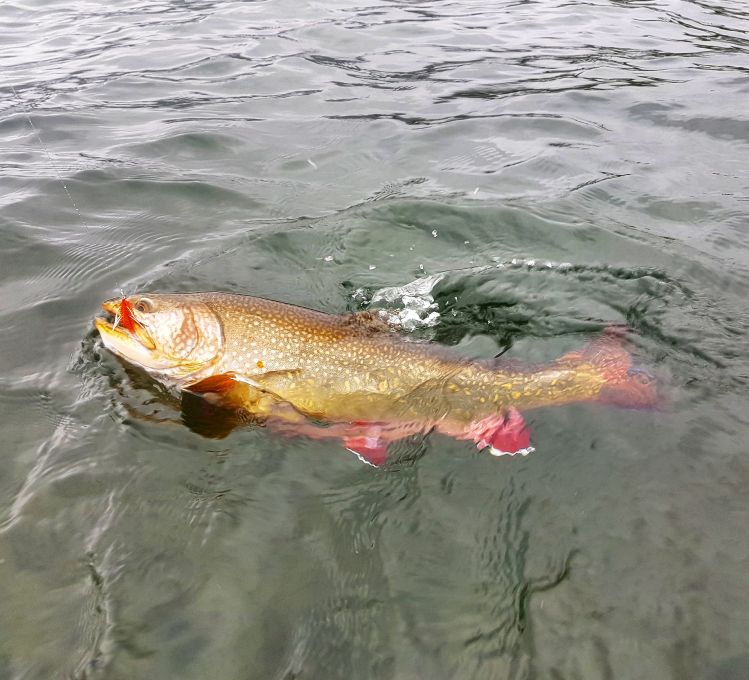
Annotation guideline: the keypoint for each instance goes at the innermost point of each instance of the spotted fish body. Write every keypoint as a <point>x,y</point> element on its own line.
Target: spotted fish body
<point>264,356</point>
<point>354,367</point>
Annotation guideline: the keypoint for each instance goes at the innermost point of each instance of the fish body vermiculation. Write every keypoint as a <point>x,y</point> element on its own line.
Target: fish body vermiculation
<point>288,364</point>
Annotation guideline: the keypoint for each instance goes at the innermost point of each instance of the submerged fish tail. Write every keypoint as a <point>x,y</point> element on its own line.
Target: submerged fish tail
<point>601,372</point>
<point>622,383</point>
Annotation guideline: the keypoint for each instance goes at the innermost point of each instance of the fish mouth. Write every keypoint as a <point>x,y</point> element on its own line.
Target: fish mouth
<point>110,328</point>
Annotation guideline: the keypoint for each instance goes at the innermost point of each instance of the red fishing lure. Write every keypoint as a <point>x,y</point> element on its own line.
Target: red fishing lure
<point>126,315</point>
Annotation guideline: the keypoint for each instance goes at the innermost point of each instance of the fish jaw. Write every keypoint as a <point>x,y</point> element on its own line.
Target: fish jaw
<point>111,306</point>
<point>126,344</point>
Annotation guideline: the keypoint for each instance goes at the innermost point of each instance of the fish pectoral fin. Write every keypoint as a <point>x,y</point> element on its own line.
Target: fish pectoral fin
<point>230,390</point>
<point>221,383</point>
<point>502,433</point>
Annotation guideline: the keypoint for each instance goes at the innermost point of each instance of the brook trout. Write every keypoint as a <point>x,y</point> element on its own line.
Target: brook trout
<point>288,366</point>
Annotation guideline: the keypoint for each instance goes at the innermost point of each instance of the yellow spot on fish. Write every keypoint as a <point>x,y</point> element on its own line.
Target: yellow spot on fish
<point>260,363</point>
<point>516,395</point>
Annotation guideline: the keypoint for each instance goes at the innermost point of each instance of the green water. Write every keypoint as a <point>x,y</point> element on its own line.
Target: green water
<point>500,176</point>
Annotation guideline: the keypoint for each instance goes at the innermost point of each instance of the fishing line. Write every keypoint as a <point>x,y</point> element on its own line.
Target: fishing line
<point>53,165</point>
<point>47,153</point>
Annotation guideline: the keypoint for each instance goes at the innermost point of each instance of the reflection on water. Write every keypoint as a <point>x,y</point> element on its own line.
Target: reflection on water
<point>502,177</point>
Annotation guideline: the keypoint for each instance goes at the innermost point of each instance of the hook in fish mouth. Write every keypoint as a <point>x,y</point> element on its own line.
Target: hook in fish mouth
<point>109,325</point>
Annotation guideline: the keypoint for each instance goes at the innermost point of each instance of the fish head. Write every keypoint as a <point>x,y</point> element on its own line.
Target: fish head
<point>170,334</point>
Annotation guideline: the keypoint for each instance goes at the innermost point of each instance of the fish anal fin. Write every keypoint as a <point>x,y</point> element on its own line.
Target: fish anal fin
<point>502,433</point>
<point>369,446</point>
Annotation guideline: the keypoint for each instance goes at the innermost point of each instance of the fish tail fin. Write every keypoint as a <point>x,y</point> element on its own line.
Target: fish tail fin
<point>625,384</point>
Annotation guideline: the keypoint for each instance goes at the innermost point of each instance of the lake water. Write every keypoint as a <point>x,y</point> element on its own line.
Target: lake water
<point>498,176</point>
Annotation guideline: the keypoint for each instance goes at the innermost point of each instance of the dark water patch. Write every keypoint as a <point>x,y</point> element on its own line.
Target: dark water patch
<point>730,129</point>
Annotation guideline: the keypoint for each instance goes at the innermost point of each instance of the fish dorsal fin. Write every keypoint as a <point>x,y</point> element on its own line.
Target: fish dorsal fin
<point>367,323</point>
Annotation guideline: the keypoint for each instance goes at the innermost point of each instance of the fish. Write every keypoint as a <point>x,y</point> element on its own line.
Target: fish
<point>353,377</point>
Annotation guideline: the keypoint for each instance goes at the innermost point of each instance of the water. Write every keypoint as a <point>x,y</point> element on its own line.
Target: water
<point>530,172</point>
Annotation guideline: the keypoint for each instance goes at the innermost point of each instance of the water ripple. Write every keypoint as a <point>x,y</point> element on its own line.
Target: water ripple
<point>500,177</point>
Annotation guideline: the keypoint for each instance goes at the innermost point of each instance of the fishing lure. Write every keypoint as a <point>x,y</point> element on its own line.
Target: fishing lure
<point>124,316</point>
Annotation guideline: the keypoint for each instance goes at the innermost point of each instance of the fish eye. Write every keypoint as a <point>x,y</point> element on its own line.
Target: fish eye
<point>144,305</point>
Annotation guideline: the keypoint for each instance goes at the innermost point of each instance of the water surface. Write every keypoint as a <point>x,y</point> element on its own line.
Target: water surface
<point>501,177</point>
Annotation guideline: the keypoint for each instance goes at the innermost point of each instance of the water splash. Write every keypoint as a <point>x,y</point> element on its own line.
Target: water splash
<point>410,307</point>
